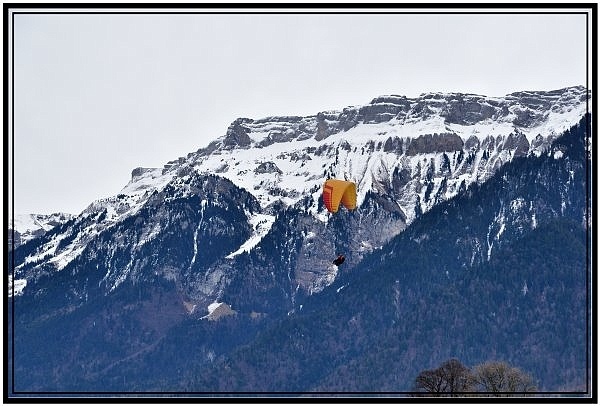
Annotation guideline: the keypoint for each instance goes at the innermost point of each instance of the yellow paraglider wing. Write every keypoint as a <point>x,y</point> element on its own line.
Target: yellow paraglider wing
<point>336,191</point>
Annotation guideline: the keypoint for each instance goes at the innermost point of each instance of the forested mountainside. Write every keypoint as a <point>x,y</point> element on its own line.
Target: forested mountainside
<point>214,273</point>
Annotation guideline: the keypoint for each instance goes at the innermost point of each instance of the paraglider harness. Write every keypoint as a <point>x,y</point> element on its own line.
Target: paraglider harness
<point>339,260</point>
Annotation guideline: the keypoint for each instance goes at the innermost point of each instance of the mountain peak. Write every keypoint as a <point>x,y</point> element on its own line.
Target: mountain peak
<point>523,110</point>
<point>353,143</point>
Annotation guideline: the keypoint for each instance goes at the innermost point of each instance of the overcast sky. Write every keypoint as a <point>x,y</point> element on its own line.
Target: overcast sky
<point>97,95</point>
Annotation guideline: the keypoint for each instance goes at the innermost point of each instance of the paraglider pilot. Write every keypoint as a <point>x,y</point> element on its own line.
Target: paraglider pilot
<point>339,260</point>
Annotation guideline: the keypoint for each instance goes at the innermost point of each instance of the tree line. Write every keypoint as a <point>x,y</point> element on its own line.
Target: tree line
<point>495,378</point>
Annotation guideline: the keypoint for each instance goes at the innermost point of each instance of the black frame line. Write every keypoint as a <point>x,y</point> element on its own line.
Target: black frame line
<point>12,9</point>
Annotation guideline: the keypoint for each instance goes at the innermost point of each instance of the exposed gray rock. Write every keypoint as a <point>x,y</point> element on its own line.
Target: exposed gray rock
<point>322,128</point>
<point>467,110</point>
<point>237,134</point>
<point>378,112</point>
<point>395,145</point>
<point>267,167</point>
<point>428,143</point>
<point>137,172</point>
<point>472,143</point>
<point>518,143</point>
<point>522,109</point>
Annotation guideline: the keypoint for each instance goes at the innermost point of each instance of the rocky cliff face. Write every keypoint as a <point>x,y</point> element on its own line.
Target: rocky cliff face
<point>522,110</point>
<point>447,138</point>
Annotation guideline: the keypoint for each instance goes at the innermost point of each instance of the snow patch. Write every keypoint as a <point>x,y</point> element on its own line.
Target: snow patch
<point>213,306</point>
<point>340,288</point>
<point>64,258</point>
<point>216,310</point>
<point>261,224</point>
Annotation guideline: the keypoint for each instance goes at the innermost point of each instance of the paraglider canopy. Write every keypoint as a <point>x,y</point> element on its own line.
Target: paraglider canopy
<point>336,191</point>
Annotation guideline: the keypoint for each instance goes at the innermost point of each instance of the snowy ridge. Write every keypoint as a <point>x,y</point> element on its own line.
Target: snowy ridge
<point>30,226</point>
<point>302,152</point>
<point>416,152</point>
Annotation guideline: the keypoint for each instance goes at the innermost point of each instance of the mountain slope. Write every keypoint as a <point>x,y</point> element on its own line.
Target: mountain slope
<point>406,155</point>
<point>137,276</point>
<point>436,291</point>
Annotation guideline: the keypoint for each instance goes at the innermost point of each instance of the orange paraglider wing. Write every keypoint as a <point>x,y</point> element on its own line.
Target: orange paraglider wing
<point>337,191</point>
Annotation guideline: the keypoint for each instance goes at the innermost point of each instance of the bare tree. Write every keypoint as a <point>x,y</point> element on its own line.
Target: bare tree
<point>430,381</point>
<point>500,378</point>
<point>451,377</point>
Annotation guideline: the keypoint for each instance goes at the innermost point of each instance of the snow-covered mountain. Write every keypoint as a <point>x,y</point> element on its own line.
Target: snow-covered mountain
<point>393,145</point>
<point>405,154</point>
<point>30,226</point>
<point>215,272</point>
